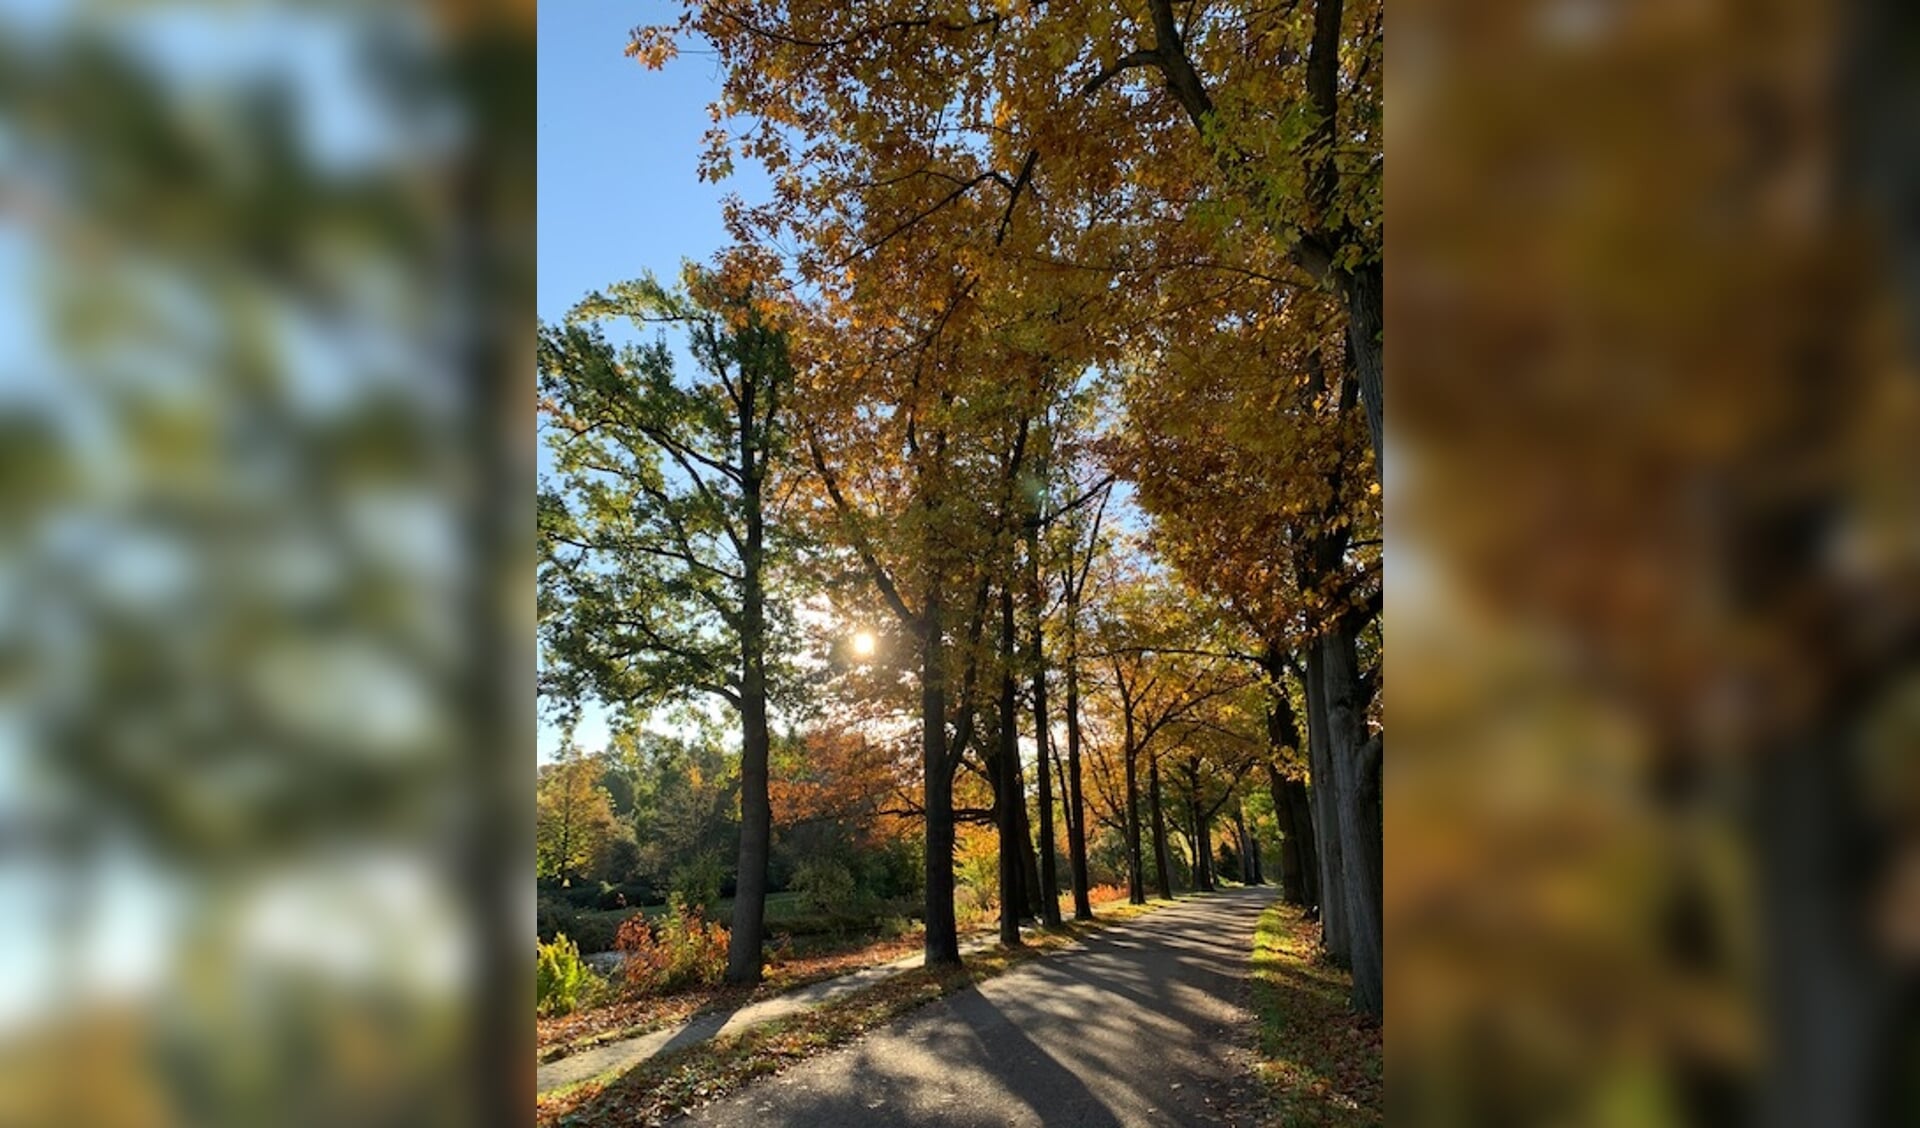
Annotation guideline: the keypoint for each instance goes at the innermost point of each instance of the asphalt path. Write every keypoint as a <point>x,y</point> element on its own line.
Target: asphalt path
<point>1142,1024</point>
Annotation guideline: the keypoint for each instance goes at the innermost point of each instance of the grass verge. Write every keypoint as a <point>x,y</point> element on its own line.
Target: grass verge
<point>1320,1063</point>
<point>614,1021</point>
<point>662,1087</point>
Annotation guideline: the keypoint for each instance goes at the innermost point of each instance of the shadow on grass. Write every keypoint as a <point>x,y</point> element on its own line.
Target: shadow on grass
<point>1320,1062</point>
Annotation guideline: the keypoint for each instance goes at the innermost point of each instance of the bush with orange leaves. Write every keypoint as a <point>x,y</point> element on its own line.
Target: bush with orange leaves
<point>683,949</point>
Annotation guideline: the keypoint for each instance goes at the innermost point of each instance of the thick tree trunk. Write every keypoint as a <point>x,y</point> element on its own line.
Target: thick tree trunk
<point>1036,658</point>
<point>943,937</point>
<point>1162,867</point>
<point>1358,804</point>
<point>1029,858</point>
<point>1834,1009</point>
<point>1365,294</point>
<point>1296,792</point>
<point>756,830</point>
<point>756,811</point>
<point>1008,801</point>
<point>1076,806</point>
<point>1326,817</point>
<point>1293,887</point>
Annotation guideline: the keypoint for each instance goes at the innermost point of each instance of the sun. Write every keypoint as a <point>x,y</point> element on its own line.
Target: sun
<point>863,644</point>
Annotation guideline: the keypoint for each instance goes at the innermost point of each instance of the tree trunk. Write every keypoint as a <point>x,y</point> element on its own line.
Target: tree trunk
<point>1204,834</point>
<point>1366,317</point>
<point>1029,857</point>
<point>943,936</point>
<point>1293,887</point>
<point>1834,1009</point>
<point>1326,817</point>
<point>1008,802</point>
<point>756,811</point>
<point>1197,841</point>
<point>1076,806</point>
<point>1296,792</point>
<point>1249,848</point>
<point>1186,830</point>
<point>756,829</point>
<point>1036,657</point>
<point>1136,879</point>
<point>1358,805</point>
<point>1163,870</point>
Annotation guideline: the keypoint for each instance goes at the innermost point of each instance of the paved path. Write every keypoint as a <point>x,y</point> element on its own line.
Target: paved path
<point>1142,1024</point>
<point>629,1052</point>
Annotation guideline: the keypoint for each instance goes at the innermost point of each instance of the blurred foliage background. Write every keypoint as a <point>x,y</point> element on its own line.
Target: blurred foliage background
<point>264,726</point>
<point>1652,500</point>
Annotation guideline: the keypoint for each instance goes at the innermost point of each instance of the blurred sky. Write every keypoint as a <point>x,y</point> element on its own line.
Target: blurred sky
<point>618,145</point>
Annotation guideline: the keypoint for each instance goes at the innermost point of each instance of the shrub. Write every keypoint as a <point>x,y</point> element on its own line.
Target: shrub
<point>697,883</point>
<point>550,919</point>
<point>973,904</point>
<point>593,931</point>
<point>825,886</point>
<point>586,894</point>
<point>563,982</point>
<point>683,949</point>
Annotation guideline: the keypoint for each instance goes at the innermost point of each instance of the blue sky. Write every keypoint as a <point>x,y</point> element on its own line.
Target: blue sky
<point>617,150</point>
<point>618,147</point>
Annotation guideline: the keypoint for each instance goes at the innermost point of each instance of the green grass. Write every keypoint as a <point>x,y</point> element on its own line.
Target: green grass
<point>1320,1063</point>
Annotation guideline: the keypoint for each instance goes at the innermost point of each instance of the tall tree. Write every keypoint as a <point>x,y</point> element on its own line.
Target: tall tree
<point>574,820</point>
<point>1244,123</point>
<point>1281,527</point>
<point>655,546</point>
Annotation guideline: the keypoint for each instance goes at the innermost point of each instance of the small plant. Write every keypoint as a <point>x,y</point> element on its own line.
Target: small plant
<point>563,982</point>
<point>684,949</point>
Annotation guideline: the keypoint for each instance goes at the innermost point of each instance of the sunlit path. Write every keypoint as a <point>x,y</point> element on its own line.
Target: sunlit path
<point>1140,1026</point>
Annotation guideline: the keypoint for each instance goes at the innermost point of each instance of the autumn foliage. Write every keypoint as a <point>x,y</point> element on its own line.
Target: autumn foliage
<point>682,949</point>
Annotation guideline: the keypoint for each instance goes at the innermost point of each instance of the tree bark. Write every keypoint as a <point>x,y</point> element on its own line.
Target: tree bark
<point>943,936</point>
<point>1249,848</point>
<point>1162,868</point>
<point>1076,805</point>
<point>1365,294</point>
<point>1204,835</point>
<point>1008,801</point>
<point>756,829</point>
<point>1036,657</point>
<point>1296,793</point>
<point>756,810</point>
<point>1196,822</point>
<point>1293,887</point>
<point>1326,818</point>
<point>1136,878</point>
<point>1029,857</point>
<point>1358,806</point>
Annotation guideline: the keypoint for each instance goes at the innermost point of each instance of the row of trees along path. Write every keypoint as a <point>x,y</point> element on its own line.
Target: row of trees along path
<point>1064,382</point>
